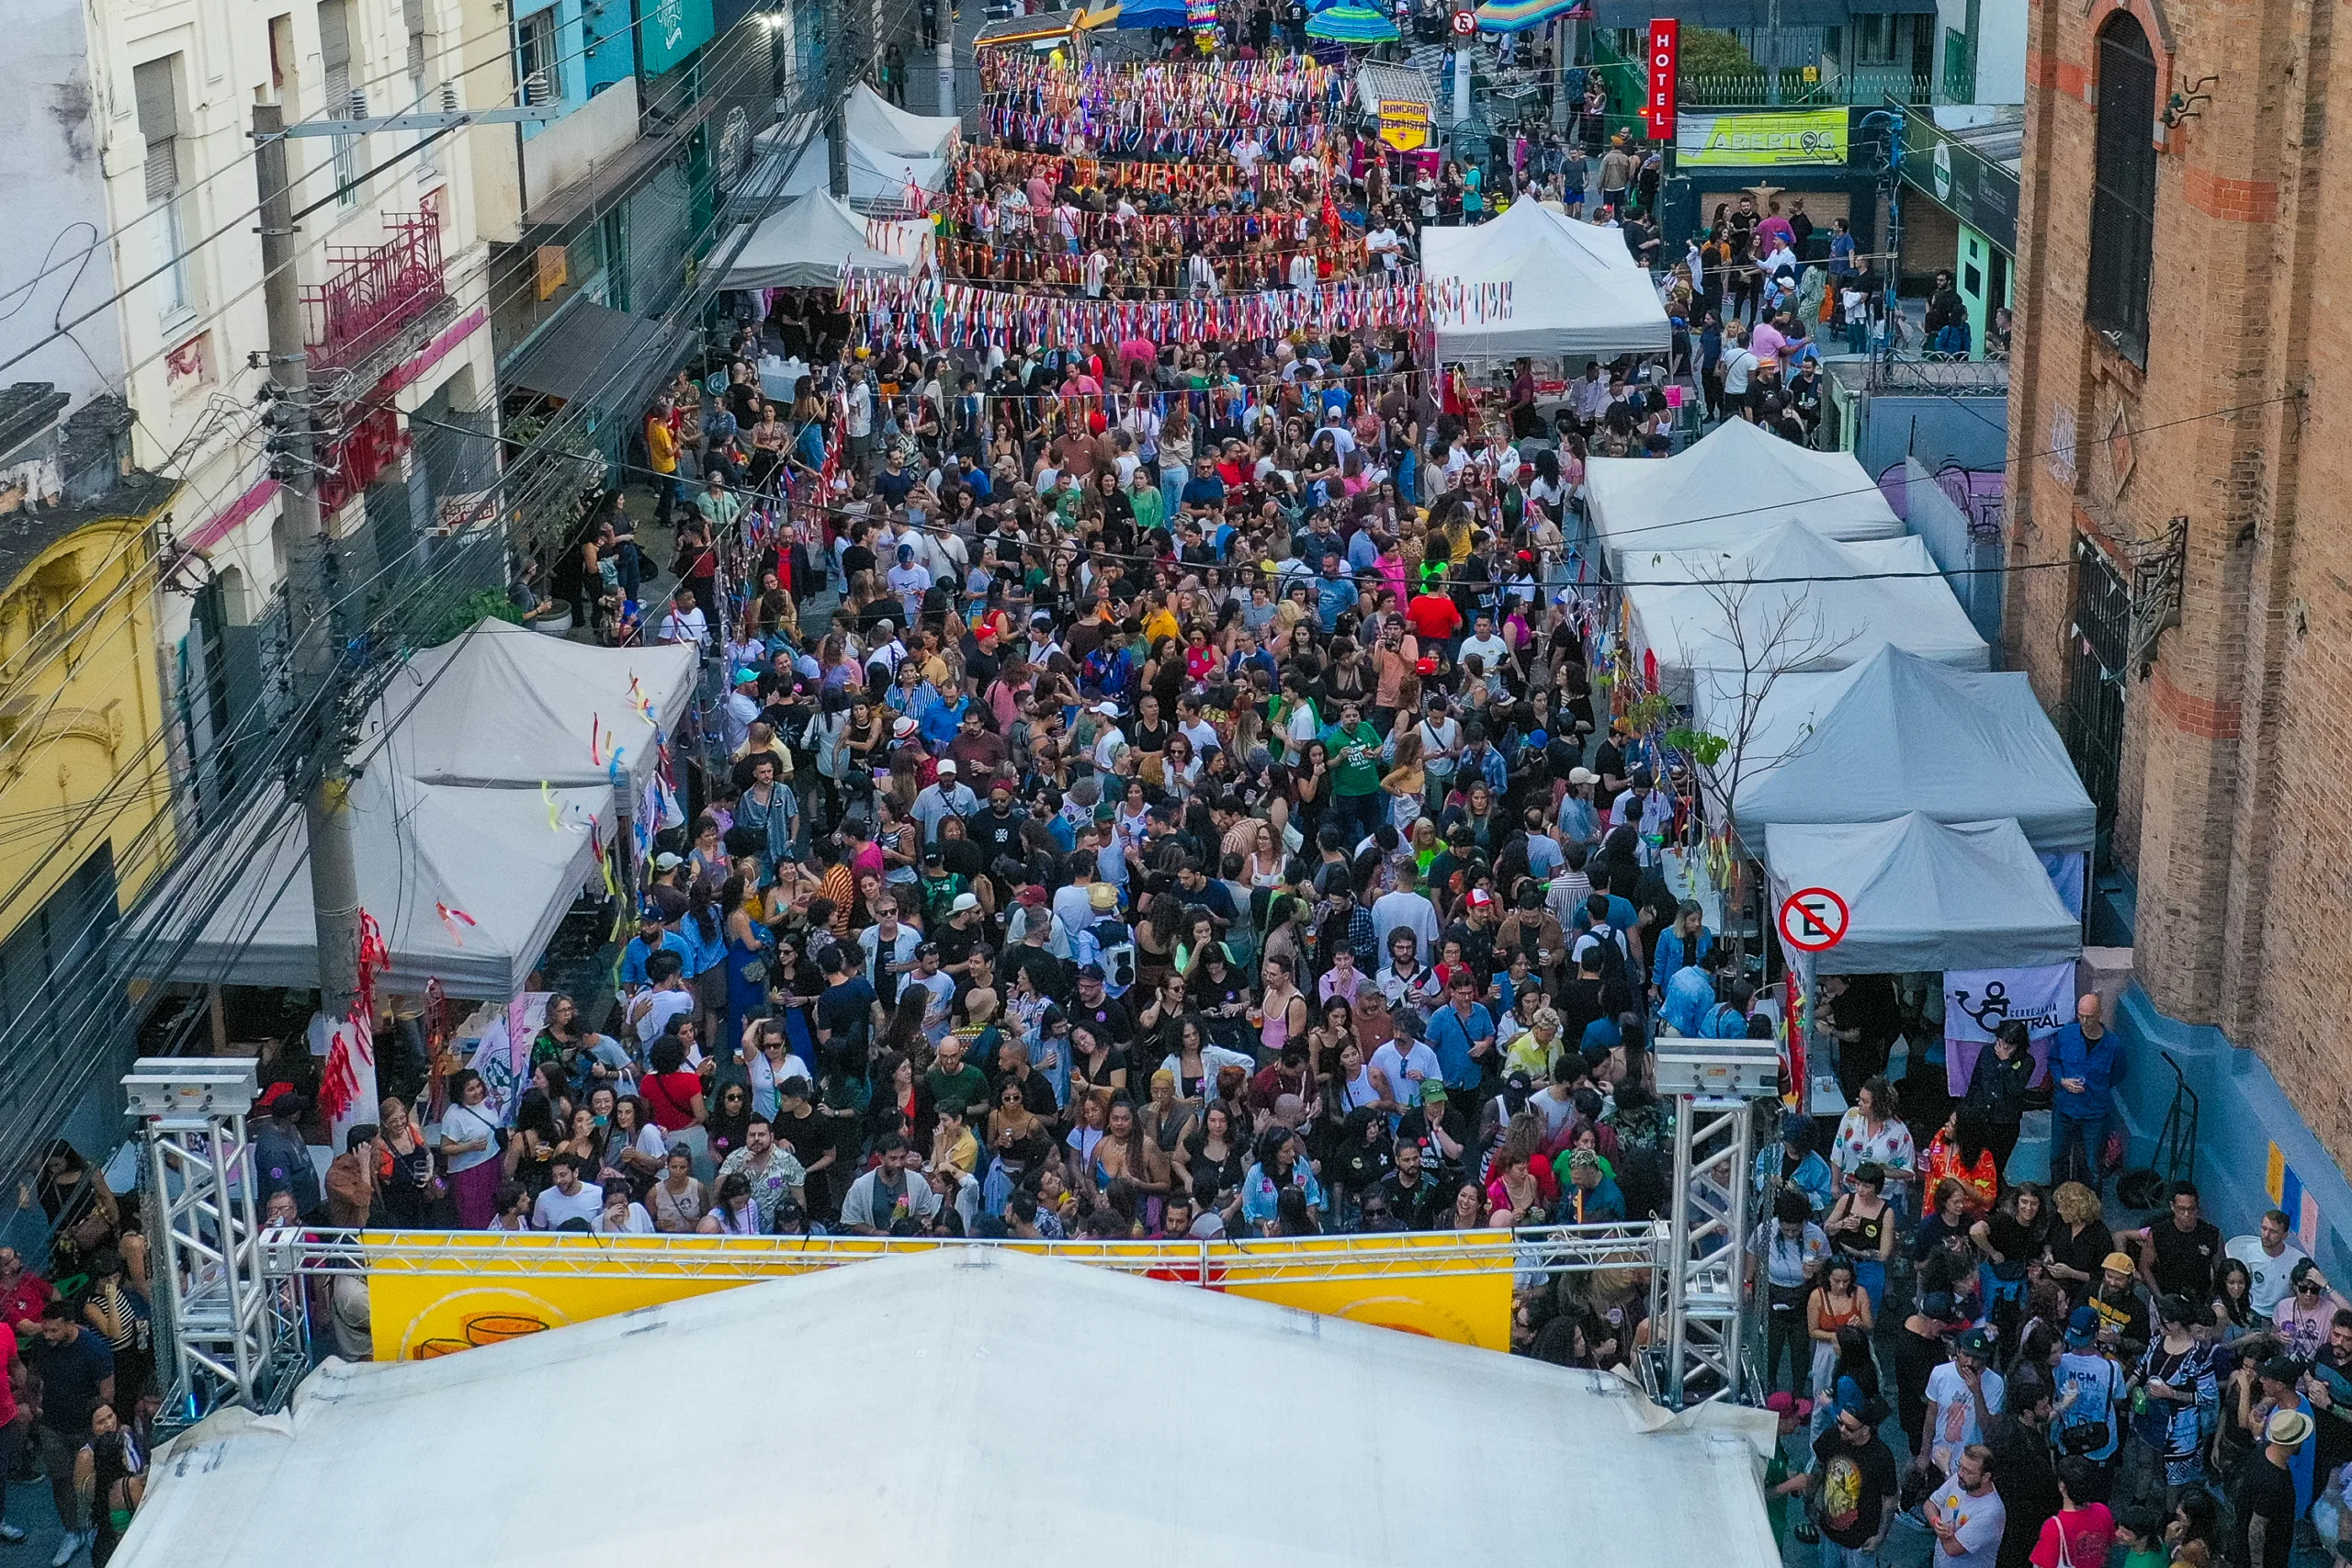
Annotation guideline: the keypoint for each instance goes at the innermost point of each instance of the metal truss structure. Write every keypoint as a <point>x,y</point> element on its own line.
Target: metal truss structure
<point>1545,1251</point>
<point>234,1298</point>
<point>222,1323</point>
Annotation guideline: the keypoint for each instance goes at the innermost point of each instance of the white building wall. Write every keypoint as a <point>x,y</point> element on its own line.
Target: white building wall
<point>190,375</point>
<point>56,266</point>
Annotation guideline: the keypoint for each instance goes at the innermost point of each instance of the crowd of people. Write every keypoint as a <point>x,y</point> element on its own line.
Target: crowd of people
<point>2055,1388</point>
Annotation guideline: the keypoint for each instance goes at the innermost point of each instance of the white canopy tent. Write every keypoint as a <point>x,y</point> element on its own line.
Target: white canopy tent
<point>1924,895</point>
<point>491,858</point>
<point>1898,733</point>
<point>1575,290</point>
<point>883,125</point>
<point>808,241</point>
<point>1790,602</point>
<point>914,1368</point>
<point>877,175</point>
<point>1738,483</point>
<point>504,706</point>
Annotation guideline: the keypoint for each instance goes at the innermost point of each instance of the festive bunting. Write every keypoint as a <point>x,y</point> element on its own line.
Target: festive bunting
<point>936,313</point>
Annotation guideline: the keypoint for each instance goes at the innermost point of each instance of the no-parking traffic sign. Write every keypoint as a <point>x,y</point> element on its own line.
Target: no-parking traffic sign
<point>1814,919</point>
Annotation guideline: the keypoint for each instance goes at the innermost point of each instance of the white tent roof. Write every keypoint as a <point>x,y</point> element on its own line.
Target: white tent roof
<point>1575,290</point>
<point>1737,482</point>
<point>806,244</point>
<point>883,125</point>
<point>1899,733</point>
<point>1802,602</point>
<point>909,1373</point>
<point>505,707</point>
<point>1923,895</point>
<point>488,853</point>
<point>877,174</point>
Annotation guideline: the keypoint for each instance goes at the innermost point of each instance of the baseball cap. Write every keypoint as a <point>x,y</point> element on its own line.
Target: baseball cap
<point>963,901</point>
<point>1108,710</point>
<point>2282,1369</point>
<point>1781,1402</point>
<point>947,767</point>
<point>665,861</point>
<point>1976,1342</point>
<point>2083,1328</point>
<point>2120,1262</point>
<point>1091,972</point>
<point>1433,1089</point>
<point>1582,776</point>
<point>1481,899</point>
<point>1032,895</point>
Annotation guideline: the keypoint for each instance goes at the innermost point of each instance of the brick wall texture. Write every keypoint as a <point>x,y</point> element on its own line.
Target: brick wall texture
<point>2235,805</point>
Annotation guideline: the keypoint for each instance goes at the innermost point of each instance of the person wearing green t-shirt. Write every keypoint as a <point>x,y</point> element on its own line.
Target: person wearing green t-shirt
<point>1354,749</point>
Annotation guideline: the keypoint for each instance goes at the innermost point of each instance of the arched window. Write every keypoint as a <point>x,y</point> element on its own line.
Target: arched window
<point>2123,190</point>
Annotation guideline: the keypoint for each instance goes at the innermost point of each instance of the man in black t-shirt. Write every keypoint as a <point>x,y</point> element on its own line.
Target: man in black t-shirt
<point>75,1371</point>
<point>1099,1011</point>
<point>2178,1254</point>
<point>1853,1476</point>
<point>2262,1533</point>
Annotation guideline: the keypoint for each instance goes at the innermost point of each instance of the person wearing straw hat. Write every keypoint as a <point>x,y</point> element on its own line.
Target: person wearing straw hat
<point>2263,1507</point>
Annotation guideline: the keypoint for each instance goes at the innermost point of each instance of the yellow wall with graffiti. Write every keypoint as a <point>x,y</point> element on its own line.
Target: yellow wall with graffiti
<point>423,1306</point>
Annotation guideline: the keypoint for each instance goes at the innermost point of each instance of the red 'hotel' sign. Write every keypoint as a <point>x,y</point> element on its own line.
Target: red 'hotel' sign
<point>1664,52</point>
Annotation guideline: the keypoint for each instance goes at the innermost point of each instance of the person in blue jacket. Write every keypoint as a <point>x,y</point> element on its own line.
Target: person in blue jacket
<point>1794,1161</point>
<point>2085,1066</point>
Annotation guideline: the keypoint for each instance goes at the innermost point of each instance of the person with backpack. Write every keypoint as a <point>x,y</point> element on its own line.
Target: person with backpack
<point>1106,942</point>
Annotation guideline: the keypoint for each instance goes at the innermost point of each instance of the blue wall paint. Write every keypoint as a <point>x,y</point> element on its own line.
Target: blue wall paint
<point>1971,432</point>
<point>2242,1112</point>
<point>611,29</point>
<point>572,65</point>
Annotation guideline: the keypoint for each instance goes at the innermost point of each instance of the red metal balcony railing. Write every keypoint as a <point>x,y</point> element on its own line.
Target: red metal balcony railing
<point>372,291</point>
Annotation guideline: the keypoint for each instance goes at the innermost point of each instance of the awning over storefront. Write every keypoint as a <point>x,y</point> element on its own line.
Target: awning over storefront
<point>586,350</point>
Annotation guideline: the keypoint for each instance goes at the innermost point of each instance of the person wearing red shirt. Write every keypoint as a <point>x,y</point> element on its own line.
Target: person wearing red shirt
<point>22,1292</point>
<point>1435,617</point>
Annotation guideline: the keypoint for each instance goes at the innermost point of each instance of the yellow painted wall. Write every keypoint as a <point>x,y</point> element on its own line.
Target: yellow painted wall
<point>83,758</point>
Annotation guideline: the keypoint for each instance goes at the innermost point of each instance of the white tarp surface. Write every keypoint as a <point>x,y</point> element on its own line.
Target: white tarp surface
<point>1924,895</point>
<point>806,244</point>
<point>909,1377</point>
<point>884,125</point>
<point>490,856</point>
<point>1735,484</point>
<point>1575,290</point>
<point>508,707</point>
<point>876,172</point>
<point>1898,733</point>
<point>1728,622</point>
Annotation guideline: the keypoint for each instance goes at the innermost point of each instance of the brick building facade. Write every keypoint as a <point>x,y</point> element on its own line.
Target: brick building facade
<point>2177,401</point>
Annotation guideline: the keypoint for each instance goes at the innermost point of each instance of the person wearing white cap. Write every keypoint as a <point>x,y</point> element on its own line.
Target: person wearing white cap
<point>1109,739</point>
<point>1579,822</point>
<point>950,797</point>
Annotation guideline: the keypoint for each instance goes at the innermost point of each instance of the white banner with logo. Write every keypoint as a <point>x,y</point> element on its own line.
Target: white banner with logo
<point>1978,1001</point>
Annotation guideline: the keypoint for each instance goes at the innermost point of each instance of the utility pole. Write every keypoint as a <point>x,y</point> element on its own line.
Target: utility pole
<point>838,77</point>
<point>325,774</point>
